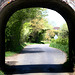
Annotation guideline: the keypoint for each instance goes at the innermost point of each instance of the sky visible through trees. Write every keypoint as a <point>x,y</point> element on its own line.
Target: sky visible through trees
<point>54,18</point>
<point>34,25</point>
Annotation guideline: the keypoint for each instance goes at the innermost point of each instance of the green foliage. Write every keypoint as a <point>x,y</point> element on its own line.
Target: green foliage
<point>56,32</point>
<point>62,47</point>
<point>49,35</point>
<point>17,50</point>
<point>20,28</point>
<point>1,73</point>
<point>46,42</point>
<point>37,30</point>
<point>9,53</point>
<point>52,40</point>
<point>25,31</point>
<point>47,25</point>
<point>63,41</point>
<point>64,32</point>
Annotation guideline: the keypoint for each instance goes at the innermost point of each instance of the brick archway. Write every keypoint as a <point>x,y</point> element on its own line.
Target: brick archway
<point>61,7</point>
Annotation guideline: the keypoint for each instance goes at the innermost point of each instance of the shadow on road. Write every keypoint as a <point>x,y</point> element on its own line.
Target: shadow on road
<point>31,50</point>
<point>38,68</point>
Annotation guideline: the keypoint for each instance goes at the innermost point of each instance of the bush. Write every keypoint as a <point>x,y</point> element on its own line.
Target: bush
<point>52,40</point>
<point>1,73</point>
<point>64,48</point>
<point>63,41</point>
<point>60,43</point>
<point>15,51</point>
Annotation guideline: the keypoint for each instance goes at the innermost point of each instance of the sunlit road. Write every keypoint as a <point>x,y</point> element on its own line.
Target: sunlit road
<point>41,54</point>
<point>40,59</point>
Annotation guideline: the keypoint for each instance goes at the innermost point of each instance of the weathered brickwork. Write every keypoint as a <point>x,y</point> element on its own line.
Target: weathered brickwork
<point>3,3</point>
<point>69,2</point>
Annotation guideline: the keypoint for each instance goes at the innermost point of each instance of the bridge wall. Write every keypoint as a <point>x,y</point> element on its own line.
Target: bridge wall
<point>8,7</point>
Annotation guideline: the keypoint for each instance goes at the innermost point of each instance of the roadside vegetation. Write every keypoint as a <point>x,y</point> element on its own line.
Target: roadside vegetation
<point>1,73</point>
<point>62,42</point>
<point>29,26</point>
<point>25,26</point>
<point>57,44</point>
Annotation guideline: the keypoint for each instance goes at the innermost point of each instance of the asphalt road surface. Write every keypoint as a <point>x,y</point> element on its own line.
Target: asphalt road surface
<point>41,54</point>
<point>40,59</point>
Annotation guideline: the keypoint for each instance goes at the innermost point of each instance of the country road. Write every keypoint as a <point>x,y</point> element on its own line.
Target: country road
<point>41,54</point>
<point>40,59</point>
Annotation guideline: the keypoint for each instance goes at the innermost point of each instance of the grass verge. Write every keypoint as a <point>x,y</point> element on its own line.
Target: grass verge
<point>15,51</point>
<point>64,48</point>
<point>1,73</point>
<point>19,48</point>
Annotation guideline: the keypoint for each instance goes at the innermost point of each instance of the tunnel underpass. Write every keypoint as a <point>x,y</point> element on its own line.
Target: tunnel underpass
<point>11,6</point>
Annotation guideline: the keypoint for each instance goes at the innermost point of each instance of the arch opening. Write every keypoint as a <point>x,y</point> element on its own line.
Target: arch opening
<point>65,12</point>
<point>40,29</point>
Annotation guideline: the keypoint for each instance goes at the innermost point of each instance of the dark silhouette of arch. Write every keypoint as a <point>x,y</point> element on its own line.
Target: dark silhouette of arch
<point>61,7</point>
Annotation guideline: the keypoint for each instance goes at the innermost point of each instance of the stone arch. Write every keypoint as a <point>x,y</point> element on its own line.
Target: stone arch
<point>61,7</point>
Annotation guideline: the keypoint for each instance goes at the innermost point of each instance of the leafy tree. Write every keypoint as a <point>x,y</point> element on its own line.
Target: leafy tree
<point>38,30</point>
<point>49,34</point>
<point>18,27</point>
<point>25,32</point>
<point>56,32</point>
<point>64,32</point>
